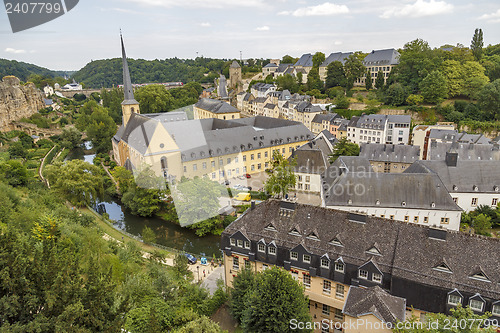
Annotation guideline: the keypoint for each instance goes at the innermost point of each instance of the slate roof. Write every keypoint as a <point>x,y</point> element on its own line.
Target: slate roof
<point>215,106</point>
<point>269,106</point>
<point>390,190</point>
<point>465,151</point>
<point>269,65</point>
<point>305,60</point>
<point>319,118</point>
<point>389,152</point>
<point>400,119</point>
<point>198,139</point>
<point>373,121</point>
<point>283,67</point>
<point>337,56</point>
<point>407,251</point>
<point>382,58</point>
<point>455,136</point>
<point>263,87</point>
<point>376,301</point>
<point>312,157</point>
<point>235,65</point>
<point>485,175</point>
<point>346,163</point>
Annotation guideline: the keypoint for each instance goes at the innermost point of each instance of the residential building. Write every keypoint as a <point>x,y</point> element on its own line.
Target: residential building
<point>409,197</point>
<point>212,108</point>
<point>360,266</point>
<point>377,128</point>
<point>48,91</point>
<point>389,158</point>
<point>258,105</point>
<point>420,135</point>
<point>271,110</point>
<point>304,63</point>
<point>269,69</point>
<point>470,183</point>
<point>207,93</point>
<point>379,60</point>
<point>72,86</point>
<point>335,126</point>
<point>243,100</point>
<point>262,89</point>
<point>305,112</point>
<point>311,161</point>
<point>338,56</point>
<point>322,122</point>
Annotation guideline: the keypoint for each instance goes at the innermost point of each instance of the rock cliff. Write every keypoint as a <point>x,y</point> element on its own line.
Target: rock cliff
<point>17,101</point>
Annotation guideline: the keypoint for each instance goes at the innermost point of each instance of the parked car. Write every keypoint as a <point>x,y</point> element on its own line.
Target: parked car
<point>245,188</point>
<point>226,182</point>
<point>191,259</point>
<point>237,187</point>
<point>242,196</point>
<point>248,175</point>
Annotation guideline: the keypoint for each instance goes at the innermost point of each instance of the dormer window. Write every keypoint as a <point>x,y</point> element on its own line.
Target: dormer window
<point>495,188</point>
<point>455,187</point>
<point>261,248</point>
<point>443,268</point>
<point>240,243</point>
<point>294,232</point>
<point>233,242</point>
<point>313,236</point>
<point>271,250</point>
<point>377,202</point>
<point>336,242</point>
<point>403,203</point>
<point>454,300</point>
<point>325,263</point>
<point>373,250</point>
<point>306,258</point>
<point>362,274</point>
<point>271,227</point>
<point>247,245</point>
<point>433,205</point>
<point>480,276</point>
<point>294,256</point>
<point>377,278</point>
<point>476,305</point>
<point>475,188</point>
<point>495,310</point>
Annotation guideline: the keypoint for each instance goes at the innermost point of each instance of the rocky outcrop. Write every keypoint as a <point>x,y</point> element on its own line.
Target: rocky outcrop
<point>17,101</point>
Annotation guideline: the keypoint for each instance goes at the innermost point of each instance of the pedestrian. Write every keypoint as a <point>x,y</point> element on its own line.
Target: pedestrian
<point>204,275</point>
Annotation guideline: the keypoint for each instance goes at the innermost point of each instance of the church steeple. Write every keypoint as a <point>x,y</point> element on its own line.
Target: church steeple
<point>129,104</point>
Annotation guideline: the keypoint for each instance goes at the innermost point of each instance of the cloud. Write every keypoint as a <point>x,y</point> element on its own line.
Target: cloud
<point>337,42</point>
<point>263,28</point>
<point>325,9</point>
<point>420,8</point>
<point>491,18</point>
<point>200,3</point>
<point>11,50</point>
<point>205,24</point>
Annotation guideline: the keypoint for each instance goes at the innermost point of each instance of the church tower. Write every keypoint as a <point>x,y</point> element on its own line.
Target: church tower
<point>129,104</point>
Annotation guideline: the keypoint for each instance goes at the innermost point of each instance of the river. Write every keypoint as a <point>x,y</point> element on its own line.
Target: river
<point>168,234</point>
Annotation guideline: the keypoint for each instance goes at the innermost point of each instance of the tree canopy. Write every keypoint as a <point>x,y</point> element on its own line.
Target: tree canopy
<point>344,148</point>
<point>281,176</point>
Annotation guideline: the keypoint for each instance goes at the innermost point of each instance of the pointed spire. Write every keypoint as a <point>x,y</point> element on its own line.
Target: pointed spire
<point>127,82</point>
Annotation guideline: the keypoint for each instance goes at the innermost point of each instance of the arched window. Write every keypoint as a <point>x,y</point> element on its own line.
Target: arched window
<point>132,109</point>
<point>163,162</point>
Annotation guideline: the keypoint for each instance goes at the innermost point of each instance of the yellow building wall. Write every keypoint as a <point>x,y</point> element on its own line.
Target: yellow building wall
<point>204,114</point>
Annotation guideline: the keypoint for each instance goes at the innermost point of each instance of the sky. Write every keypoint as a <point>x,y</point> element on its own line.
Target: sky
<point>159,29</point>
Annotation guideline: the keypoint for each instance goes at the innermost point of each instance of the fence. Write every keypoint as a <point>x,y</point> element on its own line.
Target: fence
<point>137,238</point>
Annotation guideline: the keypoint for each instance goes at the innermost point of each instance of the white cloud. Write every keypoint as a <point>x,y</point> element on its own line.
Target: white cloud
<point>263,28</point>
<point>200,3</point>
<point>337,42</point>
<point>205,24</point>
<point>325,9</point>
<point>11,50</point>
<point>419,9</point>
<point>491,18</point>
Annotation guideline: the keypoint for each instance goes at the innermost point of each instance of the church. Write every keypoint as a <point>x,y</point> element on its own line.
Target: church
<point>175,146</point>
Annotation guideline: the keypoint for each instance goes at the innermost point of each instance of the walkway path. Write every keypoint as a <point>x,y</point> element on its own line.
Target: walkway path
<point>40,169</point>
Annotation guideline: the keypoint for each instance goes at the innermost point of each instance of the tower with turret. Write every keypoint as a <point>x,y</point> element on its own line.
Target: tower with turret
<point>129,104</point>
<point>235,80</point>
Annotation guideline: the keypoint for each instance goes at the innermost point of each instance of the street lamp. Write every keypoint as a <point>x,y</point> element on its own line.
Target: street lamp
<point>198,269</point>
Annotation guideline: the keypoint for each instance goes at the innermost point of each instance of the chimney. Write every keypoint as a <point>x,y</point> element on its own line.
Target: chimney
<point>451,159</point>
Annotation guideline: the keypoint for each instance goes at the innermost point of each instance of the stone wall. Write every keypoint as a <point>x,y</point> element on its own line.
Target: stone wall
<point>17,101</point>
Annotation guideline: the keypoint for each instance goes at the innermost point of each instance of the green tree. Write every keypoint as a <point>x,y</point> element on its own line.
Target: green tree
<point>154,98</point>
<point>313,79</point>
<point>71,138</point>
<point>433,87</point>
<point>281,176</point>
<point>148,235</point>
<point>416,61</point>
<point>368,80</point>
<point>353,69</point>
<point>200,325</point>
<point>124,178</point>
<point>318,59</point>
<point>414,99</point>
<point>344,148</point>
<point>100,130</point>
<point>243,284</point>
<point>14,172</point>
<point>380,81</point>
<point>474,78</point>
<point>112,99</point>
<point>181,266</point>
<point>395,94</point>
<point>335,75</point>
<point>489,99</point>
<point>477,43</point>
<point>482,224</point>
<point>341,102</point>
<point>16,149</point>
<point>143,196</point>
<point>287,82</point>
<point>441,322</point>
<point>275,301</point>
<point>454,74</point>
<point>79,182</point>
<point>288,60</point>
